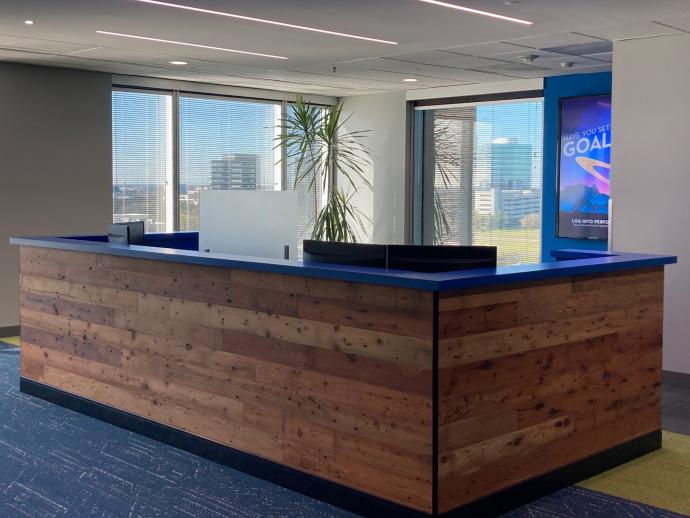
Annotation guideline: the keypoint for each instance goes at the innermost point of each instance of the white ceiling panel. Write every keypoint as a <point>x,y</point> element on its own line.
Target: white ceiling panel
<point>469,62</point>
<point>577,61</point>
<point>54,47</point>
<point>421,69</point>
<point>545,41</point>
<point>679,22</point>
<point>604,56</point>
<point>517,70</point>
<point>118,54</point>
<point>633,31</point>
<point>4,38</point>
<point>516,57</point>
<point>488,49</point>
<point>430,56</point>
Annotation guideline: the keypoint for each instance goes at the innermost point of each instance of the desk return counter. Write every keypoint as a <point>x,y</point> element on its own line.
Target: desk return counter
<point>386,392</point>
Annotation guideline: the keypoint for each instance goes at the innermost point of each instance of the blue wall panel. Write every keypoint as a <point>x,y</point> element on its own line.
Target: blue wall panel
<point>554,89</point>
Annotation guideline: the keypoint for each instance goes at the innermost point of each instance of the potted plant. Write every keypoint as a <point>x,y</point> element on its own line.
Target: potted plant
<point>331,161</point>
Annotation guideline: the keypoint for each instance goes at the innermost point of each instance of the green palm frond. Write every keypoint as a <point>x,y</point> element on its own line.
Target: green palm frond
<point>327,156</point>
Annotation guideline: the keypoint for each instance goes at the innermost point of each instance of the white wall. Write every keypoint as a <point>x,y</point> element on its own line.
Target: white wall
<point>55,161</point>
<point>651,159</point>
<point>384,115</point>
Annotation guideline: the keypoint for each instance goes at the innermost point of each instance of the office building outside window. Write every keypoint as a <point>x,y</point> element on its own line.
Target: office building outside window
<point>225,144</point>
<point>170,146</point>
<point>478,176</point>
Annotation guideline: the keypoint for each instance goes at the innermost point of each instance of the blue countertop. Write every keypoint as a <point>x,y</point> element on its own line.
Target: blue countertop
<point>181,247</point>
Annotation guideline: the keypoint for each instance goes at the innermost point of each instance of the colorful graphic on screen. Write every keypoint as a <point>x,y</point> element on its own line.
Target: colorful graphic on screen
<point>584,167</point>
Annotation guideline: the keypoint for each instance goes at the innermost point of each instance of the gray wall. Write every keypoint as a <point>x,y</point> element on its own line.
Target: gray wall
<point>384,116</point>
<point>55,161</point>
<point>650,187</point>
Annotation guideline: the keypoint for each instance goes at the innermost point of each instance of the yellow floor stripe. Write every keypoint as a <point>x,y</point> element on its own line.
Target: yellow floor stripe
<point>661,478</point>
<point>11,340</point>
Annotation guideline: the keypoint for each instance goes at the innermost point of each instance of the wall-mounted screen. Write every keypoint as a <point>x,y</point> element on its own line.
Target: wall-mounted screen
<point>584,167</point>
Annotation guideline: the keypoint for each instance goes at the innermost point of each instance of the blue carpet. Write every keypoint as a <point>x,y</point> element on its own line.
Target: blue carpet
<point>58,463</point>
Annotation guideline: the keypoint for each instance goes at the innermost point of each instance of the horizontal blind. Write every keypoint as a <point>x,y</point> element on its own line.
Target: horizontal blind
<point>142,159</point>
<point>225,144</point>
<point>487,177</point>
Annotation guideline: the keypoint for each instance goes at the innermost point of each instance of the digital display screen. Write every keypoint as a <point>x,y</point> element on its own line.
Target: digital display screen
<point>584,167</point>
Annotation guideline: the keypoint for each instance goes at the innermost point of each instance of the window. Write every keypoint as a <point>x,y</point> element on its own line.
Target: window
<point>169,146</point>
<point>143,159</point>
<point>478,175</point>
<point>225,144</point>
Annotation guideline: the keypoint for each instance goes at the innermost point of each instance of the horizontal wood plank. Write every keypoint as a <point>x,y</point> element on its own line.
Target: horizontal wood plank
<point>327,377</point>
<point>539,375</point>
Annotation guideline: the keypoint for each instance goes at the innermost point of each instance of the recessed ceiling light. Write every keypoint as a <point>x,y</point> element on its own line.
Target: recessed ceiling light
<point>178,63</point>
<point>263,20</point>
<point>477,11</point>
<point>29,22</point>
<point>185,44</point>
<point>410,80</point>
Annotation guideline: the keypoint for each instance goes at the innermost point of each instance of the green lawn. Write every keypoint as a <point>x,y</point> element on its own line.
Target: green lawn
<point>514,245</point>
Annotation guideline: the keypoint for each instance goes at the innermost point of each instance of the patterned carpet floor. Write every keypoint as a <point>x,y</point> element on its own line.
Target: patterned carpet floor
<point>58,463</point>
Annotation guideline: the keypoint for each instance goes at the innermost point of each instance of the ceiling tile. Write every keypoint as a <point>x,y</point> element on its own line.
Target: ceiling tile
<point>554,40</point>
<point>580,70</point>
<point>604,56</point>
<point>5,38</point>
<point>429,56</point>
<point>56,47</point>
<point>679,22</point>
<point>581,49</point>
<point>468,62</point>
<point>517,70</point>
<point>487,49</point>
<point>420,69</point>
<point>515,57</point>
<point>117,54</point>
<point>632,31</point>
<point>577,61</point>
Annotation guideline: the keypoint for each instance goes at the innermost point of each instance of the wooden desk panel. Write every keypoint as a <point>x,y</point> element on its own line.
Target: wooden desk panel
<point>336,379</point>
<point>536,376</point>
<point>327,377</point>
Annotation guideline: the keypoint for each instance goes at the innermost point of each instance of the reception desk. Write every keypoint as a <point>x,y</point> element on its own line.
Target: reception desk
<point>388,393</point>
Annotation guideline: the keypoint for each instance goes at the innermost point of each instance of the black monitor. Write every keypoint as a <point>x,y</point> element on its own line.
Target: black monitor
<point>432,259</point>
<point>354,254</point>
<point>131,233</point>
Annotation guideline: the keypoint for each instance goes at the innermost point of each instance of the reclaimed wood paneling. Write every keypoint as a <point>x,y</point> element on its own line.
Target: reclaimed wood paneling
<point>536,376</point>
<point>336,379</point>
<point>327,377</point>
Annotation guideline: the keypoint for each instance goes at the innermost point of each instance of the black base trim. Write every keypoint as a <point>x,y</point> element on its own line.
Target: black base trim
<point>530,490</point>
<point>9,331</point>
<point>677,379</point>
<point>315,487</point>
<point>336,494</point>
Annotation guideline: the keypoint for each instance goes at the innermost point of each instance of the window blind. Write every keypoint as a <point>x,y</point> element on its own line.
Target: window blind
<point>225,144</point>
<point>481,176</point>
<point>143,159</point>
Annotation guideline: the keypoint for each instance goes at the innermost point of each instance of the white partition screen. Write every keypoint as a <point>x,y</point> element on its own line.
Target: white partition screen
<point>258,223</point>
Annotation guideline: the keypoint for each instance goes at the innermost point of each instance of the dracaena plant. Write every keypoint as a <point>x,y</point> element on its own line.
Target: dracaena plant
<point>330,161</point>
